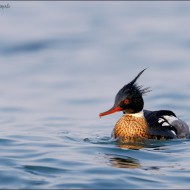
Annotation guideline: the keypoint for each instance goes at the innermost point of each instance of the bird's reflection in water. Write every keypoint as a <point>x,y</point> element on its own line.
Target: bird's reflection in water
<point>131,146</point>
<point>139,143</point>
<point>124,162</point>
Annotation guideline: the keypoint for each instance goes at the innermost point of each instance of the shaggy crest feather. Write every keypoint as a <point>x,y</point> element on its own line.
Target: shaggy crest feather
<point>141,89</point>
<point>133,86</point>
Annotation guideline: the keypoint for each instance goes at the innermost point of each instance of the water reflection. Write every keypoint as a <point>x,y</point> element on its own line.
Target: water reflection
<point>131,146</point>
<point>123,162</point>
<point>142,143</point>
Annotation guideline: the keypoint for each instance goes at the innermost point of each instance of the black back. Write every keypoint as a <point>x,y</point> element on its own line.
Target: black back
<point>155,128</point>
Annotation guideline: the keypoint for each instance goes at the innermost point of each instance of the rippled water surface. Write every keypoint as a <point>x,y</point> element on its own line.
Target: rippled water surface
<point>61,64</point>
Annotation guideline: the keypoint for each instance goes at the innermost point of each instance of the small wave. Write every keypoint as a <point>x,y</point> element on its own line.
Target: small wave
<point>27,47</point>
<point>147,143</point>
<point>4,141</point>
<point>100,140</point>
<point>45,170</point>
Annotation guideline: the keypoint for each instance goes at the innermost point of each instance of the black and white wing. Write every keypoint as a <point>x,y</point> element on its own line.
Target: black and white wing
<point>181,128</point>
<point>164,123</point>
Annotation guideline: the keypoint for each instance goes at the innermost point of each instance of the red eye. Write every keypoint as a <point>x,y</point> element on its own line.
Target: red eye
<point>126,101</point>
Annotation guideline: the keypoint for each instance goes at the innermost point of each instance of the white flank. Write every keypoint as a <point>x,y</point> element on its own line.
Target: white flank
<point>173,132</point>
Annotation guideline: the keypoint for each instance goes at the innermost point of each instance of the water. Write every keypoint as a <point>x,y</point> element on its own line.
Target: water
<point>61,64</point>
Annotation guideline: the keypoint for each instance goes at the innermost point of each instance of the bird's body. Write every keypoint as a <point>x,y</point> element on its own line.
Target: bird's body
<point>149,125</point>
<point>130,128</point>
<point>137,124</point>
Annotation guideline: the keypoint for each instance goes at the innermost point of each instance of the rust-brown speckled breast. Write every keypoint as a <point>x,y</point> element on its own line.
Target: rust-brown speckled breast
<point>130,128</point>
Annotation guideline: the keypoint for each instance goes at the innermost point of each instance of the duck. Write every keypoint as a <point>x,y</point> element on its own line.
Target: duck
<point>138,123</point>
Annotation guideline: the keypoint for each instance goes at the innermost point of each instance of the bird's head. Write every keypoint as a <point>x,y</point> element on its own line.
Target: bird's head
<point>129,98</point>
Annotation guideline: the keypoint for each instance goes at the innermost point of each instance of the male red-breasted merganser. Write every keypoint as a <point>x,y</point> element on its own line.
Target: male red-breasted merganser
<point>137,123</point>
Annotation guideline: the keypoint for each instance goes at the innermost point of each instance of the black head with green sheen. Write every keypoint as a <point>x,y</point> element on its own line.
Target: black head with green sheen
<point>129,98</point>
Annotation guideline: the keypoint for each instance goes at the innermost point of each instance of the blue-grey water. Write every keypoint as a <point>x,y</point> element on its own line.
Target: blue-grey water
<point>61,64</point>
